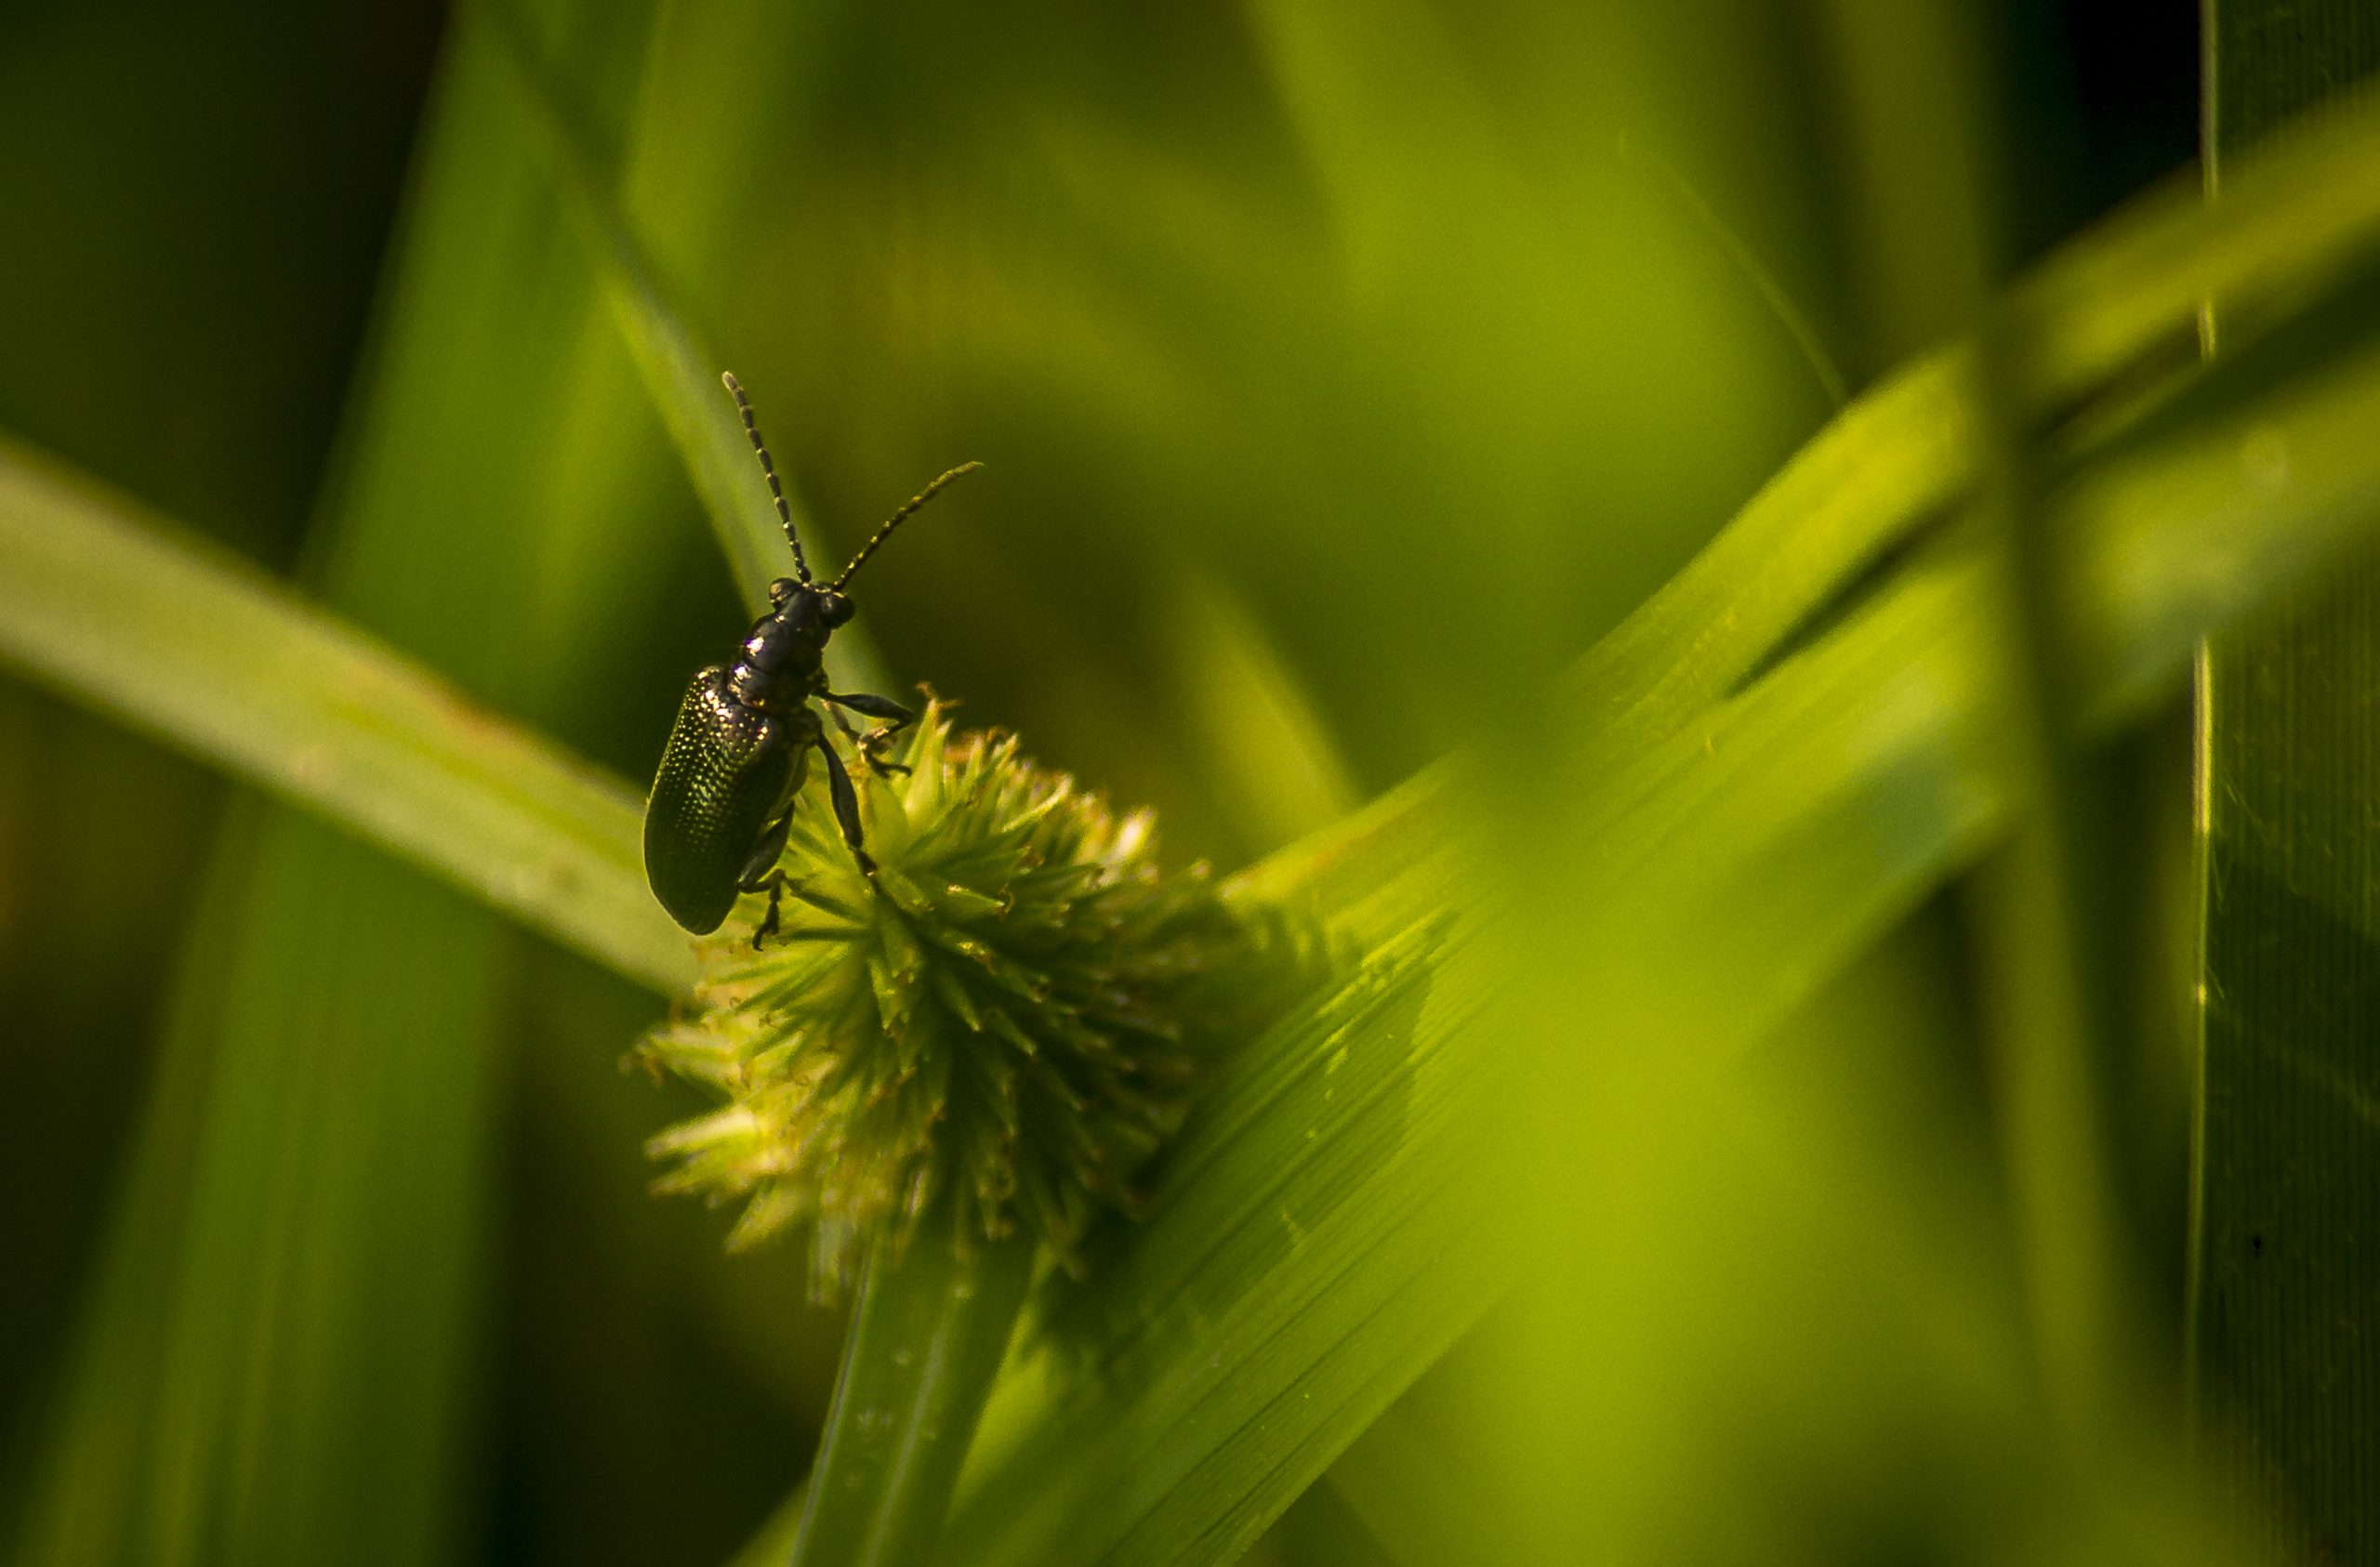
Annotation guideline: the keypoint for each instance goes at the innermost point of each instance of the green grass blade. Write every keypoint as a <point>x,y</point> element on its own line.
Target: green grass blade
<point>109,602</point>
<point>928,1334</point>
<point>1320,1234</point>
<point>2285,1380</point>
<point>1319,1238</point>
<point>279,1361</point>
<point>259,1294</point>
<point>679,371</point>
<point>2289,1132</point>
<point>1901,452</point>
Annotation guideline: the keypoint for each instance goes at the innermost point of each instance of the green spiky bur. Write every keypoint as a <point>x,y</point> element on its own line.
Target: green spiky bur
<point>994,1036</point>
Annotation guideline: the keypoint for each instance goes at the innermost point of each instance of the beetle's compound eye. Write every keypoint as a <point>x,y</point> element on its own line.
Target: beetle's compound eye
<point>834,607</point>
<point>783,589</point>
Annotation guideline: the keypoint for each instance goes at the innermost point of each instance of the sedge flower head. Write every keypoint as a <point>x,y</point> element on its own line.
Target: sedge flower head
<point>994,1032</point>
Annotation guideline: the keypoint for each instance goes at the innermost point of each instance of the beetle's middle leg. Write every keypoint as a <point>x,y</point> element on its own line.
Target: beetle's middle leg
<point>760,875</point>
<point>838,785</point>
<point>894,719</point>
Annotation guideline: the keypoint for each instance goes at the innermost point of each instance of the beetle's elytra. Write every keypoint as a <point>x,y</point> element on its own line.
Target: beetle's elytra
<point>722,799</point>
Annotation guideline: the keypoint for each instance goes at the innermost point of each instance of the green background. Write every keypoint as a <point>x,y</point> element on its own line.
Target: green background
<point>1341,374</point>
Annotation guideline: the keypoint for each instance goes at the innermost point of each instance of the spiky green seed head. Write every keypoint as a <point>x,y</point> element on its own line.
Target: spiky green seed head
<point>995,1034</point>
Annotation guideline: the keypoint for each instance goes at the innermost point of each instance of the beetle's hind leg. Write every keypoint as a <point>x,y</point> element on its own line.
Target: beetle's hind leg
<point>893,716</point>
<point>760,875</point>
<point>838,785</point>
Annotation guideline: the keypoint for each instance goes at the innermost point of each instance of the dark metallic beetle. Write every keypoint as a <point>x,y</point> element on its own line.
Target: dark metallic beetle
<point>722,800</point>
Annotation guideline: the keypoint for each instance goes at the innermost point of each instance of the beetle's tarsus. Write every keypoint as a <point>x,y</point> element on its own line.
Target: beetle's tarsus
<point>871,750</point>
<point>774,884</point>
<point>870,746</point>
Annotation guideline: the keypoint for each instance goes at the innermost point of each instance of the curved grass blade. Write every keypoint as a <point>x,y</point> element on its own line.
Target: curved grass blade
<point>680,373</point>
<point>1290,1280</point>
<point>240,670</point>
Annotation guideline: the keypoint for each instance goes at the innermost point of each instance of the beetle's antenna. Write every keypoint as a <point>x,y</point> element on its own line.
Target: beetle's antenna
<point>894,520</point>
<point>776,491</point>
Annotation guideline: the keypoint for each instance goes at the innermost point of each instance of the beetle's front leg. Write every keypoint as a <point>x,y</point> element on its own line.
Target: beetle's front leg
<point>894,719</point>
<point>838,785</point>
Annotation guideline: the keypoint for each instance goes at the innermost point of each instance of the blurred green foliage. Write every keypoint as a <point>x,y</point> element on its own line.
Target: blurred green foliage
<point>1342,375</point>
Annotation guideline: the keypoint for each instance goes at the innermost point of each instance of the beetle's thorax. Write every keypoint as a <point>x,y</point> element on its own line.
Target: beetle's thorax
<point>779,665</point>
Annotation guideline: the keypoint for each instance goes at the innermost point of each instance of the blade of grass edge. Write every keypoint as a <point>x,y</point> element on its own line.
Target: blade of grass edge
<point>681,375</point>
<point>679,371</point>
<point>243,672</point>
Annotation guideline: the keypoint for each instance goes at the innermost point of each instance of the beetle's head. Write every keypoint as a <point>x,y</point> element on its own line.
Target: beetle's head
<point>806,605</point>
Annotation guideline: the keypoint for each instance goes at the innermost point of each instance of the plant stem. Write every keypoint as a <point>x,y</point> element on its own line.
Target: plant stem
<point>932,1326</point>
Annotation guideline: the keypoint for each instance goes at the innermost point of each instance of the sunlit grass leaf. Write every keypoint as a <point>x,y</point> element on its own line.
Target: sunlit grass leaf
<point>1271,1305</point>
<point>105,600</point>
